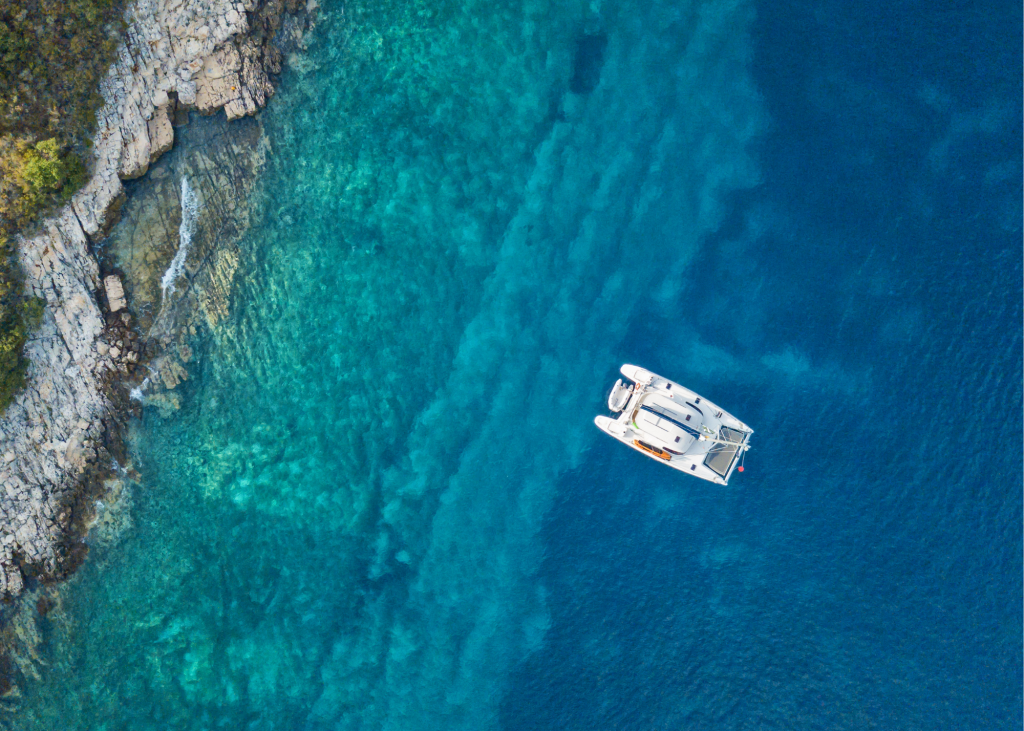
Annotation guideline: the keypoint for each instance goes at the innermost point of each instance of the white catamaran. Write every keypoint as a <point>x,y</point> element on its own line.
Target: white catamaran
<point>674,425</point>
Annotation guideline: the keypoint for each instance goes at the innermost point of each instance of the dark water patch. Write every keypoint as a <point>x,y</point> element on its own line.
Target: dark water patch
<point>588,62</point>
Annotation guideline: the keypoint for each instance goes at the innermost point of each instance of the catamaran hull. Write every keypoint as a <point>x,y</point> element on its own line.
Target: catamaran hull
<point>659,413</point>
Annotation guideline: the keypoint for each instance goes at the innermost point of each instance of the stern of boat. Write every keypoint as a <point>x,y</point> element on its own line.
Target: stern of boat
<point>610,426</point>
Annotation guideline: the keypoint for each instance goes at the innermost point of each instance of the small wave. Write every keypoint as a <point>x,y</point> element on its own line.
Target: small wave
<point>189,216</point>
<point>136,393</point>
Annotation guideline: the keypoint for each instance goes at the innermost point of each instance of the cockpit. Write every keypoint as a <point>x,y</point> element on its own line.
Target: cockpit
<point>669,423</point>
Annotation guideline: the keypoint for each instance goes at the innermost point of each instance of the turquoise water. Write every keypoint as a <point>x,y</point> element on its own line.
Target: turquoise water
<point>383,503</point>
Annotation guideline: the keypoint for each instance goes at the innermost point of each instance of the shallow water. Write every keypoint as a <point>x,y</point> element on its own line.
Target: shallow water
<point>383,503</point>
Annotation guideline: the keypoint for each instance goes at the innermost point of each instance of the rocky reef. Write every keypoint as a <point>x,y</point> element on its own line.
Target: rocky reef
<point>59,440</point>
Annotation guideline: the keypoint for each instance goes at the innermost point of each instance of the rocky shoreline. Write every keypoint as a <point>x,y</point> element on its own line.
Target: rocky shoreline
<point>60,441</point>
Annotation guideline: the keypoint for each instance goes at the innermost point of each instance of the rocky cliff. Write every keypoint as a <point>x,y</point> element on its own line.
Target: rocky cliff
<point>180,55</point>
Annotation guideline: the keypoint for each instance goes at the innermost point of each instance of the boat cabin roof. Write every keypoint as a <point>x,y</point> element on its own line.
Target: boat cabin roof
<point>671,423</point>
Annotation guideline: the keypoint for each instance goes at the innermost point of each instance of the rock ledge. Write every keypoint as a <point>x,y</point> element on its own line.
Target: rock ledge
<point>200,55</point>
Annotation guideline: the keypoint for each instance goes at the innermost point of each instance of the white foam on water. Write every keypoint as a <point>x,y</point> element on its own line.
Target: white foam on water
<point>189,216</point>
<point>136,393</point>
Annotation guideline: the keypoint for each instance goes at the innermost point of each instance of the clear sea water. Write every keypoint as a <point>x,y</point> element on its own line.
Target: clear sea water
<point>384,505</point>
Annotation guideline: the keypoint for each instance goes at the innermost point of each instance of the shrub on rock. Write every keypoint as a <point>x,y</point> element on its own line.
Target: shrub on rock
<point>53,55</point>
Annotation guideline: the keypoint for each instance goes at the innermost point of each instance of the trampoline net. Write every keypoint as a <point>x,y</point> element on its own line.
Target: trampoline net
<point>721,456</point>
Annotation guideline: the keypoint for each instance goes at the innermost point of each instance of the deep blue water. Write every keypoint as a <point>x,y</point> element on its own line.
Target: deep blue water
<point>383,503</point>
<point>865,572</point>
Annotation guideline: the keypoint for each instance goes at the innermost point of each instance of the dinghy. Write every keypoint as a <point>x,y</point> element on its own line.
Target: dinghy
<point>674,425</point>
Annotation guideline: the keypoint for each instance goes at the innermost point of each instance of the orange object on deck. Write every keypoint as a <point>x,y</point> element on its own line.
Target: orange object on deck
<point>660,453</point>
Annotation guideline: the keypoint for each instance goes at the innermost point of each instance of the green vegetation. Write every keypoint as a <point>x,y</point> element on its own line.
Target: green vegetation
<point>19,315</point>
<point>32,177</point>
<point>53,55</point>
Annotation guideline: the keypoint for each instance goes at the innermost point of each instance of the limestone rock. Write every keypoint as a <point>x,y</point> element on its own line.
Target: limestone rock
<point>115,293</point>
<point>161,133</point>
<point>135,155</point>
<point>98,203</point>
<point>11,582</point>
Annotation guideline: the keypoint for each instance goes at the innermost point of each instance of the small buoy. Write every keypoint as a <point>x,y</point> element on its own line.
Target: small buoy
<point>740,468</point>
